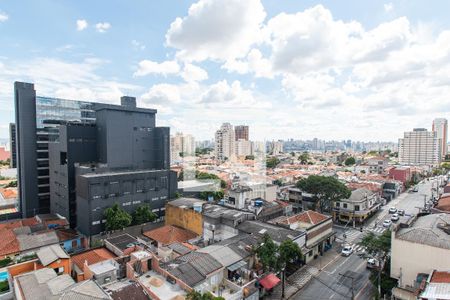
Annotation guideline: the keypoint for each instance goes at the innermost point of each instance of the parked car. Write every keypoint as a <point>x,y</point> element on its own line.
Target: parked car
<point>373,263</point>
<point>387,223</point>
<point>401,212</point>
<point>347,250</point>
<point>395,218</point>
<point>392,210</point>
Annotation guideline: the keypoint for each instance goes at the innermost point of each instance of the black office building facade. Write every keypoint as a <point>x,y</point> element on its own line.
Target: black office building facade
<point>72,154</point>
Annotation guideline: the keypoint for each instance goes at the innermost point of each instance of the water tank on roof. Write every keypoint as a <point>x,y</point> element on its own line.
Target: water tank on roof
<point>258,203</point>
<point>198,207</point>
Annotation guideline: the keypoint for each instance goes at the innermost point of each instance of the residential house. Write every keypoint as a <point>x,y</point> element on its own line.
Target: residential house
<point>377,165</point>
<point>319,231</point>
<point>220,223</point>
<point>169,234</point>
<point>361,204</point>
<point>437,286</point>
<point>420,248</point>
<point>126,290</point>
<point>82,261</point>
<point>44,284</point>
<point>402,174</point>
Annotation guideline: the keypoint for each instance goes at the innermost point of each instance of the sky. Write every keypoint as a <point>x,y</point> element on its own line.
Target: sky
<point>360,70</point>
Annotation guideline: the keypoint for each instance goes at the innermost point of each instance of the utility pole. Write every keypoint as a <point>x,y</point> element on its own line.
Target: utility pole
<point>353,287</point>
<point>283,275</point>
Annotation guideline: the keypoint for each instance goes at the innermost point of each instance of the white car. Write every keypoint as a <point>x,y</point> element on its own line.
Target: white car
<point>392,210</point>
<point>395,218</point>
<point>347,250</point>
<point>387,223</point>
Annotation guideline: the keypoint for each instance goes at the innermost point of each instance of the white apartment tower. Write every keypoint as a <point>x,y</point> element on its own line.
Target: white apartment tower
<point>225,142</point>
<point>440,126</point>
<point>181,145</point>
<point>419,147</point>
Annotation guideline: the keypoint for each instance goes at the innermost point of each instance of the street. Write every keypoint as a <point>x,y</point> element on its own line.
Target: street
<point>342,275</point>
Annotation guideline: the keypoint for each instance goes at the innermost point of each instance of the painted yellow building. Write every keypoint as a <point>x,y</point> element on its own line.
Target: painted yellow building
<point>185,213</point>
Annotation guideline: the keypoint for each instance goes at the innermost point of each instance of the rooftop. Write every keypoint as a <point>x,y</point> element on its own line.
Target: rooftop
<point>169,234</point>
<point>358,195</point>
<point>308,217</point>
<point>91,257</point>
<point>123,241</point>
<point>158,285</point>
<point>428,230</point>
<point>52,253</point>
<point>126,290</point>
<point>185,202</point>
<point>277,233</point>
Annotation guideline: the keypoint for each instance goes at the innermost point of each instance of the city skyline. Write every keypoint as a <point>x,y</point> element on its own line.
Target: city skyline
<point>356,92</point>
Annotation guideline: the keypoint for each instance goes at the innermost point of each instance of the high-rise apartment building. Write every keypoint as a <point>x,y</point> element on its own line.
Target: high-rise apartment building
<point>225,142</point>
<point>243,148</point>
<point>419,147</point>
<point>181,145</point>
<point>440,126</point>
<point>276,147</point>
<point>241,132</point>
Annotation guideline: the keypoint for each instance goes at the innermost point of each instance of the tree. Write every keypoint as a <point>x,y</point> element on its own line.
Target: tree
<point>203,175</point>
<point>194,295</point>
<point>289,253</point>
<point>250,157</point>
<point>292,153</point>
<point>379,246</point>
<point>350,161</point>
<point>218,195</point>
<point>266,253</point>
<point>278,182</point>
<point>303,158</point>
<point>143,214</point>
<point>325,189</point>
<point>116,218</point>
<point>272,162</point>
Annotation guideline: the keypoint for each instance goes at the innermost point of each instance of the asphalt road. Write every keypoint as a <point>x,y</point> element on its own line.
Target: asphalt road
<point>330,282</point>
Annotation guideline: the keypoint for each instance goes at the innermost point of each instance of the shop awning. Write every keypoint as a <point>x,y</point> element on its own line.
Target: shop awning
<point>236,266</point>
<point>270,281</point>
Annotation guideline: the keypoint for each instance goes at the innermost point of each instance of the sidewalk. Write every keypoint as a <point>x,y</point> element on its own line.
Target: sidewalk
<point>302,276</point>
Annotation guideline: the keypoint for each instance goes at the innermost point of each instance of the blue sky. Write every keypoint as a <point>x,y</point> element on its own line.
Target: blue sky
<point>364,70</point>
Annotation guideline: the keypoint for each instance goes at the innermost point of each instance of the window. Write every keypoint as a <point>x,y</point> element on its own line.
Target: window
<point>63,158</point>
<point>338,204</point>
<point>345,205</point>
<point>96,223</point>
<point>356,207</point>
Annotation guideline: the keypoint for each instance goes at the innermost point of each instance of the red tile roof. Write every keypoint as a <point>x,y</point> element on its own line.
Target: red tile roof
<point>309,216</point>
<point>92,256</point>
<point>8,242</point>
<point>169,234</point>
<point>444,204</point>
<point>440,277</point>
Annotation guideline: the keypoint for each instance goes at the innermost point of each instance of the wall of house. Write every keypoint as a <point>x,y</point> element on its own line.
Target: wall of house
<point>319,232</point>
<point>33,265</point>
<point>184,218</point>
<point>408,259</point>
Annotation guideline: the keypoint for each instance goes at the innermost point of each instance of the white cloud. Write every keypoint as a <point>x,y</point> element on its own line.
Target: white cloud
<point>137,45</point>
<point>102,27</point>
<point>147,67</point>
<point>193,73</point>
<point>82,24</point>
<point>388,7</point>
<point>217,29</point>
<point>3,17</point>
<point>162,94</point>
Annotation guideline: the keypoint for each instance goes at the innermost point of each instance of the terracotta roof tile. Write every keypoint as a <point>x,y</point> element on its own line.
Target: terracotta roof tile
<point>440,277</point>
<point>309,216</point>
<point>170,234</point>
<point>92,256</point>
<point>8,243</point>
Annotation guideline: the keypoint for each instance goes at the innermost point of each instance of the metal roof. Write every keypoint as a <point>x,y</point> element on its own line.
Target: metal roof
<point>223,254</point>
<point>426,230</point>
<point>49,254</point>
<point>437,291</point>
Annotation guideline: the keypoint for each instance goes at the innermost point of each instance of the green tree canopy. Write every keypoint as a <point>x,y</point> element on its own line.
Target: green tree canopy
<point>267,253</point>
<point>289,252</point>
<point>377,244</point>
<point>116,218</point>
<point>350,161</point>
<point>272,162</point>
<point>143,214</point>
<point>216,195</point>
<point>250,157</point>
<point>303,158</point>
<point>325,189</point>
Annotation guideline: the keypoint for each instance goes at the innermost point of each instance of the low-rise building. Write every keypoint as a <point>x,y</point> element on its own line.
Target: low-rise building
<point>82,261</point>
<point>319,231</point>
<point>168,234</point>
<point>420,248</point>
<point>361,204</point>
<point>377,165</point>
<point>186,213</point>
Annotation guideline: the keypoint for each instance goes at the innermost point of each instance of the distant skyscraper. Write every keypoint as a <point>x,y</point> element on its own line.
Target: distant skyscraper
<point>276,147</point>
<point>419,147</point>
<point>243,148</point>
<point>241,132</point>
<point>440,126</point>
<point>225,142</point>
<point>181,145</point>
